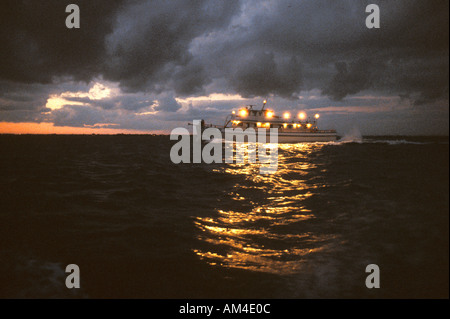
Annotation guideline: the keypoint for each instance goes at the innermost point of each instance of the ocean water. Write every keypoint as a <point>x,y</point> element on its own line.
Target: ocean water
<point>139,226</point>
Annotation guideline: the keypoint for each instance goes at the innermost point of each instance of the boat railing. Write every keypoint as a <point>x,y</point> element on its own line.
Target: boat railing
<point>326,131</point>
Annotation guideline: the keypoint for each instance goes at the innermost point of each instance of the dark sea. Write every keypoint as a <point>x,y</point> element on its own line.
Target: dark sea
<point>139,226</point>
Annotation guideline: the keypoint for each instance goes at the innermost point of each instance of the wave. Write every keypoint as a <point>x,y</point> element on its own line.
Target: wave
<point>396,142</point>
<point>353,136</point>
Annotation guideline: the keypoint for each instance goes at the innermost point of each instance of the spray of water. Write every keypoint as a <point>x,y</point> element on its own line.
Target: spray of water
<point>352,136</point>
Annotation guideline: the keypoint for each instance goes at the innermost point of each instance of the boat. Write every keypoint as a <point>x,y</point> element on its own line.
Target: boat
<point>301,129</point>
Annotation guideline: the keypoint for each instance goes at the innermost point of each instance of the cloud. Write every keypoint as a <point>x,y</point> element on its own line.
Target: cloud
<point>253,47</point>
<point>150,43</point>
<point>152,53</point>
<point>261,76</point>
<point>37,46</point>
<point>350,79</point>
<point>167,103</point>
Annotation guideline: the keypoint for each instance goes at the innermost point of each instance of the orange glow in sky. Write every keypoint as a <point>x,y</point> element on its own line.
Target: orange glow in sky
<point>49,128</point>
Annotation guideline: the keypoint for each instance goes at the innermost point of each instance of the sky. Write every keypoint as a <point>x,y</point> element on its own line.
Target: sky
<point>138,66</point>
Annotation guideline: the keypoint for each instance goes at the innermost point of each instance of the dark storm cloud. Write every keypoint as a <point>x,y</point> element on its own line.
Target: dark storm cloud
<point>180,48</point>
<point>350,79</point>
<point>78,116</point>
<point>167,103</point>
<point>36,45</point>
<point>190,79</point>
<point>261,76</point>
<point>407,55</point>
<point>151,43</point>
<point>415,78</point>
<point>144,45</point>
<point>22,96</point>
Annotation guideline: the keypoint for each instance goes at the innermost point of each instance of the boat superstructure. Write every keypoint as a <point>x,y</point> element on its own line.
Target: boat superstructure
<point>290,130</point>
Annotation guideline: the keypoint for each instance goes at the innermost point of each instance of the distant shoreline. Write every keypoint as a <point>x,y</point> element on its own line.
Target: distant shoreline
<point>152,134</point>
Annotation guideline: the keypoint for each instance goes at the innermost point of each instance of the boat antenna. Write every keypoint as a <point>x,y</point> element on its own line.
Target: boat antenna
<point>264,104</point>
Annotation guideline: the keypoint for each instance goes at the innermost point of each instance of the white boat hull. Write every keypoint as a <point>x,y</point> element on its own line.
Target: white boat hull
<point>306,137</point>
<point>289,137</point>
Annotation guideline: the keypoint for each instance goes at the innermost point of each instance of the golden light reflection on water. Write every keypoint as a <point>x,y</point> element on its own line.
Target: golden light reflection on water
<point>268,232</point>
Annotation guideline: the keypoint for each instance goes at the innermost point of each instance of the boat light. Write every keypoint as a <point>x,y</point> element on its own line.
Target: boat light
<point>302,115</point>
<point>269,114</point>
<point>285,125</point>
<point>267,125</point>
<point>258,124</point>
<point>294,125</point>
<point>243,113</point>
<point>308,125</point>
<point>317,116</point>
<point>286,115</point>
<point>233,112</point>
